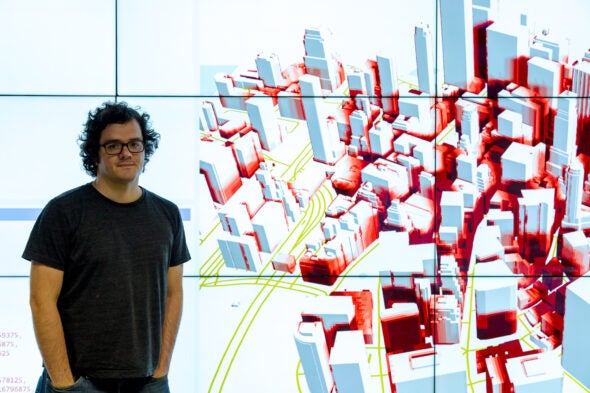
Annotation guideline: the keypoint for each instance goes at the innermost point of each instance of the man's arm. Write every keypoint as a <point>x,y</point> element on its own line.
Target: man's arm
<point>172,316</point>
<point>46,285</point>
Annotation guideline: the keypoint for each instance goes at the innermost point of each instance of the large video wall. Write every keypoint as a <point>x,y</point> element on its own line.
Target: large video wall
<point>410,173</point>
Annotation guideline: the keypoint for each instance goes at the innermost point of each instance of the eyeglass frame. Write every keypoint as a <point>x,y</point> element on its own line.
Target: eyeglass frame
<point>123,145</point>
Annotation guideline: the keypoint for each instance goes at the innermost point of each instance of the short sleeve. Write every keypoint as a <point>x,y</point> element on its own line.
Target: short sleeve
<point>50,238</point>
<point>180,253</point>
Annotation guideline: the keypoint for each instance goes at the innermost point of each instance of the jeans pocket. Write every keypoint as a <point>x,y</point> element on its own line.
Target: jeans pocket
<point>159,379</point>
<point>157,385</point>
<point>78,386</point>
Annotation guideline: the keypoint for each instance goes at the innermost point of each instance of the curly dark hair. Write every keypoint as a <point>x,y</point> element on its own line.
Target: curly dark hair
<point>113,113</point>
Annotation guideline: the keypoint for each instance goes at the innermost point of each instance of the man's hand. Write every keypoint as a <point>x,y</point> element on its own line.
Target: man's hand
<point>62,384</point>
<point>45,288</point>
<point>172,316</point>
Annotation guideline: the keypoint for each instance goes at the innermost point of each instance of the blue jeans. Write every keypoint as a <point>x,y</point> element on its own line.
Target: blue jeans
<point>86,385</point>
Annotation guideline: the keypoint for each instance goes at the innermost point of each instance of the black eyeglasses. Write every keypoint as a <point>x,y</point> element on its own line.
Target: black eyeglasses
<point>114,148</point>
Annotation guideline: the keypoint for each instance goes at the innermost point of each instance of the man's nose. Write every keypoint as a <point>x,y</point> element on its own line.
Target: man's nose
<point>125,151</point>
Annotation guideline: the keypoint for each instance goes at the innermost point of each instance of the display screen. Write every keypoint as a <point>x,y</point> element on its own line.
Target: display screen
<point>410,173</point>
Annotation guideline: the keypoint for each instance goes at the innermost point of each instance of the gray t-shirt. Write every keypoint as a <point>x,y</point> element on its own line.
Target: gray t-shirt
<point>115,259</point>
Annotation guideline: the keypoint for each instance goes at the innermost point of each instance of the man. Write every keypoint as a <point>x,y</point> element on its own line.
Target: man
<point>106,273</point>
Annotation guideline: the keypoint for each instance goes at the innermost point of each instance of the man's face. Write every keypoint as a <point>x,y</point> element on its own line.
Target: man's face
<point>124,167</point>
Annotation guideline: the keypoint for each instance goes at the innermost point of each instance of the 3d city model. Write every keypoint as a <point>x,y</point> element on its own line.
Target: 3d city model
<point>463,193</point>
